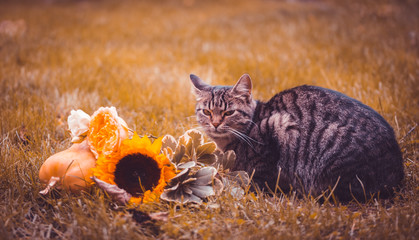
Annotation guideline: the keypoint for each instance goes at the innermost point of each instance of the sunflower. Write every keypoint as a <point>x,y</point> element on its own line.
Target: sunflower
<point>138,167</point>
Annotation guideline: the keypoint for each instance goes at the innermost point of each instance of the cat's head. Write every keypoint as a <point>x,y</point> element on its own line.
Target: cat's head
<point>224,111</point>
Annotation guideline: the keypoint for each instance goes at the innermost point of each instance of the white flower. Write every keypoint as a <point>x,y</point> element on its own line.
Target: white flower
<point>78,123</point>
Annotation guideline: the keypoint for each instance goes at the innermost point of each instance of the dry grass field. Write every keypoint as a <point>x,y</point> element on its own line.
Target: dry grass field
<point>137,56</point>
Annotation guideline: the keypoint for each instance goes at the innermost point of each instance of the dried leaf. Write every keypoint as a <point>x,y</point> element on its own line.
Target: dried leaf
<point>117,194</point>
<point>237,192</point>
<point>225,160</point>
<point>212,205</point>
<point>229,159</point>
<point>235,183</point>
<point>52,182</point>
<point>218,186</point>
<point>240,178</point>
<point>160,216</point>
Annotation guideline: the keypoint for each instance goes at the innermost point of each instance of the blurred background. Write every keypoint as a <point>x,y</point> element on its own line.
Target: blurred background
<point>137,55</point>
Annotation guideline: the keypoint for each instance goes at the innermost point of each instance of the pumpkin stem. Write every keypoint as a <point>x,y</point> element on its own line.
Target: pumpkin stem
<point>51,184</point>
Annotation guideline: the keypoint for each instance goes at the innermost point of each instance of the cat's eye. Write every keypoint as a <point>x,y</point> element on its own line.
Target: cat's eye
<point>207,112</point>
<point>229,113</point>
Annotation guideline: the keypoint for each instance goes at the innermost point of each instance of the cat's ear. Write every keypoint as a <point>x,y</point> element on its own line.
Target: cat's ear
<point>199,85</point>
<point>243,86</point>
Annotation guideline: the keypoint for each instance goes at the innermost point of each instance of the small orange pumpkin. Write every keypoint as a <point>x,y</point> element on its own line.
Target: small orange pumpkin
<point>71,169</point>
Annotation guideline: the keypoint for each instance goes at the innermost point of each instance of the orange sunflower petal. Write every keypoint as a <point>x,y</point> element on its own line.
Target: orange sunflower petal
<point>106,165</point>
<point>156,146</point>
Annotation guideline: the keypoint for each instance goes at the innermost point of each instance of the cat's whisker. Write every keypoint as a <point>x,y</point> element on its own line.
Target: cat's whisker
<point>256,125</point>
<point>249,120</point>
<point>243,137</point>
<point>247,137</point>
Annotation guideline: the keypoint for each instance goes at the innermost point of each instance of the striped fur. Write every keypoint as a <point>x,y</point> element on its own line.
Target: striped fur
<point>315,138</point>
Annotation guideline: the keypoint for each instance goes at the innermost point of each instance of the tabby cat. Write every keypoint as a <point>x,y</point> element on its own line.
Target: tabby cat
<point>308,139</point>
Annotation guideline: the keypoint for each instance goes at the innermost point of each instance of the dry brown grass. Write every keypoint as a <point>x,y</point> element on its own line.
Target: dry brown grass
<point>137,55</point>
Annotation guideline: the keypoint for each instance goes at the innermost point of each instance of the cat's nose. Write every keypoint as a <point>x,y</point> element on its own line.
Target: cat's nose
<point>216,124</point>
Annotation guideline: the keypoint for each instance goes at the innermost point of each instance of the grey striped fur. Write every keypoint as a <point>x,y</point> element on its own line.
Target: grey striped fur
<point>313,138</point>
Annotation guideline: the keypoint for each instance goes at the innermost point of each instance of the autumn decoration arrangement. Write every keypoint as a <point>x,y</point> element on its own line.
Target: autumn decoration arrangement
<point>134,170</point>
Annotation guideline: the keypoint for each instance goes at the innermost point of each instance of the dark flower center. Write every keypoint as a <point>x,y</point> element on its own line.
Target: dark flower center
<point>137,173</point>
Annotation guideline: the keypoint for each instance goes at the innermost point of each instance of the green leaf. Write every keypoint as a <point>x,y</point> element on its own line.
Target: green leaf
<point>179,154</point>
<point>207,148</point>
<point>202,191</point>
<point>184,139</point>
<point>186,165</point>
<point>169,153</point>
<point>169,141</point>
<point>207,159</point>
<point>188,180</point>
<point>189,148</point>
<point>197,137</point>
<point>205,175</point>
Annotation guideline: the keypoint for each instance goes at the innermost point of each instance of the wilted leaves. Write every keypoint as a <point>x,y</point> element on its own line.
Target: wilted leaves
<point>119,195</point>
<point>200,162</point>
<point>191,147</point>
<point>205,171</point>
<point>191,187</point>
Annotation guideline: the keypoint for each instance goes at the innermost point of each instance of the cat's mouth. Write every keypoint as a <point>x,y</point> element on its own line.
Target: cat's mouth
<point>220,136</point>
<point>217,132</point>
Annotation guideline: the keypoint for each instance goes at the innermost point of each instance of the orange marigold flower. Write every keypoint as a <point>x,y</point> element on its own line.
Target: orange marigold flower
<point>106,131</point>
